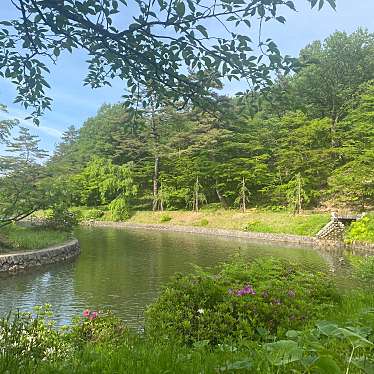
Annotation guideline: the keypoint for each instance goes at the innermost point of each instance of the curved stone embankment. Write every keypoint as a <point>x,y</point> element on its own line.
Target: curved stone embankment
<point>275,238</point>
<point>17,261</point>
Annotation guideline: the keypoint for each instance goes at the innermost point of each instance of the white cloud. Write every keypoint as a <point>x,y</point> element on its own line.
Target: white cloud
<point>20,116</point>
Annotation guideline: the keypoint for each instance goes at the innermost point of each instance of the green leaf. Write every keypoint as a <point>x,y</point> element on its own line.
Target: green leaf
<point>261,10</point>
<point>326,365</point>
<point>291,5</point>
<point>364,364</point>
<point>313,3</point>
<point>237,365</point>
<point>202,30</point>
<point>283,352</point>
<point>56,51</point>
<point>180,9</point>
<point>332,4</point>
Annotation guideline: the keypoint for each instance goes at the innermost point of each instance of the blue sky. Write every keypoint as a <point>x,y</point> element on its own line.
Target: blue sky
<point>74,103</point>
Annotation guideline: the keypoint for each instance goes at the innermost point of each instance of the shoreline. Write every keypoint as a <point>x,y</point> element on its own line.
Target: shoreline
<point>300,240</point>
<point>23,260</point>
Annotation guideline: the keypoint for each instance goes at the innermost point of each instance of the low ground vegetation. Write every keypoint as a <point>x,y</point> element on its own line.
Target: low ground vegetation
<point>362,230</point>
<point>255,220</point>
<point>336,334</point>
<point>17,237</point>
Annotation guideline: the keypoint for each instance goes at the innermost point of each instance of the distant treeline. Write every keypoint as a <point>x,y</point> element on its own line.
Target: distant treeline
<point>306,142</point>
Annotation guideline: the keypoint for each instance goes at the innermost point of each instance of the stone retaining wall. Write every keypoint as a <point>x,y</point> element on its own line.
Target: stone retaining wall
<point>286,238</point>
<point>17,261</point>
<point>280,238</point>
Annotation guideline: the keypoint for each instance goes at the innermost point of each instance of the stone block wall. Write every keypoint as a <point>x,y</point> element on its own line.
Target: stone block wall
<point>18,261</point>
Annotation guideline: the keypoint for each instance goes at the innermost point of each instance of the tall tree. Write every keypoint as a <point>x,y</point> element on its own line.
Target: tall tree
<point>21,190</point>
<point>332,73</point>
<point>162,41</point>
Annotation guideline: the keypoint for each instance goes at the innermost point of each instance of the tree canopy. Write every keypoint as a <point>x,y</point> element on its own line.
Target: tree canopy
<point>285,158</point>
<point>163,41</point>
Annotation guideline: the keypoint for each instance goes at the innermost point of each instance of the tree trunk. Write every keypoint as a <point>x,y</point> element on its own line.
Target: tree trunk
<point>299,196</point>
<point>221,199</point>
<point>334,123</point>
<point>243,197</point>
<point>155,183</point>
<point>197,195</point>
<point>156,170</point>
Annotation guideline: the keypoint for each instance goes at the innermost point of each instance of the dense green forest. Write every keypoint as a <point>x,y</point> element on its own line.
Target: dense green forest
<point>307,142</point>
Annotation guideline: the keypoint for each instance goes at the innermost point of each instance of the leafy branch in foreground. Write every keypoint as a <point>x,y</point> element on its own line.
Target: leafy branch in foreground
<point>163,40</point>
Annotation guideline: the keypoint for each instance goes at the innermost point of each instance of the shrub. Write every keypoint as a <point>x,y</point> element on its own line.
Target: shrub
<point>24,337</point>
<point>119,209</point>
<point>60,218</point>
<point>98,327</point>
<point>93,214</point>
<point>362,230</point>
<point>204,222</point>
<point>241,300</point>
<point>165,218</point>
<point>257,226</point>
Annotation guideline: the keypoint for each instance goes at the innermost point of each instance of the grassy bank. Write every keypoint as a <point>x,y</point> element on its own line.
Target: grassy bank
<point>307,224</point>
<point>256,221</point>
<point>16,237</point>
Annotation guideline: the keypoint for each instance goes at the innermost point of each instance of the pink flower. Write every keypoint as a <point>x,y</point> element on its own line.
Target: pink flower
<point>93,315</point>
<point>86,313</point>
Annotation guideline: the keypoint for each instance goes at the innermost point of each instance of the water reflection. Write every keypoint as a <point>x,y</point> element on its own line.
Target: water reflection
<point>123,270</point>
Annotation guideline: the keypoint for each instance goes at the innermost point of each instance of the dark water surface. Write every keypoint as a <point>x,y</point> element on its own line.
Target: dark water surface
<point>123,270</point>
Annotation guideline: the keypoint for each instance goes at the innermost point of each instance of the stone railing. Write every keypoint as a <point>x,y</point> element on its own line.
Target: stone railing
<point>17,261</point>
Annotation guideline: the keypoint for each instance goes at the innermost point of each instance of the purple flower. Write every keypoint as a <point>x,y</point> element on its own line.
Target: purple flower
<point>291,293</point>
<point>246,290</point>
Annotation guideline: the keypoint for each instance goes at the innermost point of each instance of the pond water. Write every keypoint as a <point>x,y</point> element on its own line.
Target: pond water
<point>124,270</point>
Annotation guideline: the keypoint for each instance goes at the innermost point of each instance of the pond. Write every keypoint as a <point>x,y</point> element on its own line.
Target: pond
<point>124,270</point>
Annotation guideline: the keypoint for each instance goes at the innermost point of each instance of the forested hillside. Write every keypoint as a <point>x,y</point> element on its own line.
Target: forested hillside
<point>307,142</point>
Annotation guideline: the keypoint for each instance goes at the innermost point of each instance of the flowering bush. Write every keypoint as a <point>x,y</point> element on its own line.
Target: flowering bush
<point>240,300</point>
<point>96,327</point>
<point>25,337</point>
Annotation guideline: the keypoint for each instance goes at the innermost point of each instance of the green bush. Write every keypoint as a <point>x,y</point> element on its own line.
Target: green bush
<point>241,300</point>
<point>93,214</point>
<point>362,230</point>
<point>257,226</point>
<point>119,209</point>
<point>204,222</point>
<point>165,218</point>
<point>97,327</point>
<point>24,337</point>
<point>60,218</point>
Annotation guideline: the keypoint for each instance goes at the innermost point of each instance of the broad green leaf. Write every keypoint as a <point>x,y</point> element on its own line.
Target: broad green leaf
<point>283,352</point>
<point>326,365</point>
<point>180,8</point>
